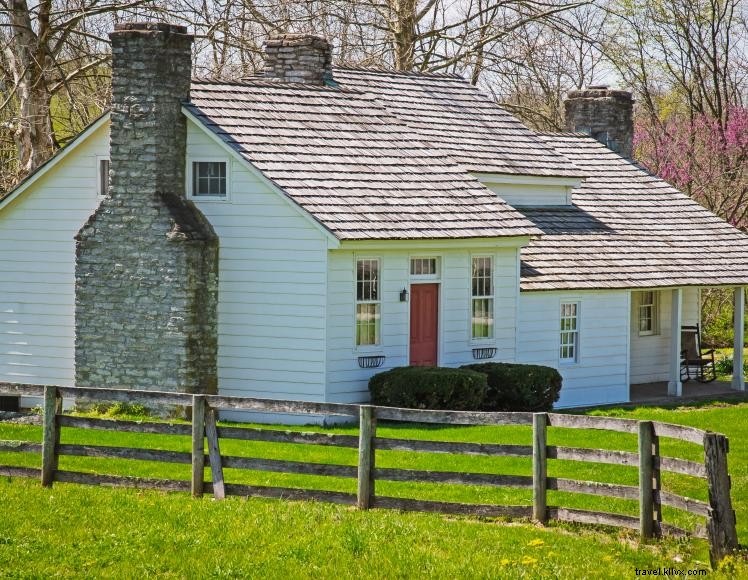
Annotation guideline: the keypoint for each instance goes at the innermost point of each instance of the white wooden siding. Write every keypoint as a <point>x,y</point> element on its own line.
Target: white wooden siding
<point>272,287</point>
<point>600,374</point>
<point>37,269</point>
<point>531,195</point>
<point>650,354</point>
<point>346,381</point>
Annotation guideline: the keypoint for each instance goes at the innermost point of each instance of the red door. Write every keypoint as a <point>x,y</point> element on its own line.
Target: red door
<point>424,324</point>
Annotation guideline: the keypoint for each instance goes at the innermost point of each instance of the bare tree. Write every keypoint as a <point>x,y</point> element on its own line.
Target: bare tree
<point>53,54</point>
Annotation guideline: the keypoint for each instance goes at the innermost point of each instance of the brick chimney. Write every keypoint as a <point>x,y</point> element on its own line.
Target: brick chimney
<point>146,273</point>
<point>298,58</point>
<point>606,114</point>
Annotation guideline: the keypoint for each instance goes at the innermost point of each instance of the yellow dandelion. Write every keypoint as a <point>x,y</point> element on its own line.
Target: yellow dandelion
<point>504,561</point>
<point>607,558</point>
<point>536,542</point>
<point>528,561</point>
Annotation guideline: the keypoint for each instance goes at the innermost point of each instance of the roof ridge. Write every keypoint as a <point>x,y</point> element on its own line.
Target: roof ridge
<point>268,83</point>
<point>391,71</point>
<point>564,134</point>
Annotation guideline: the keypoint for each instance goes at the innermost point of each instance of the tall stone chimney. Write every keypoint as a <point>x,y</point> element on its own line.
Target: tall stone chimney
<point>298,58</point>
<point>146,273</point>
<point>606,114</point>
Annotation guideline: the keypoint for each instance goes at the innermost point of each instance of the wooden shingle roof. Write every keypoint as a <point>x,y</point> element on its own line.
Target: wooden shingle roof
<point>353,165</point>
<point>462,121</point>
<point>627,229</point>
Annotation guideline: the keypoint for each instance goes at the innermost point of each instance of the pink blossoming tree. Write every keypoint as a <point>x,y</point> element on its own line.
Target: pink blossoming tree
<point>705,157</point>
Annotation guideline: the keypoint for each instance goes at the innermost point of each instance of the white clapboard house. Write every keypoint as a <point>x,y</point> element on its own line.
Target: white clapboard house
<point>364,219</point>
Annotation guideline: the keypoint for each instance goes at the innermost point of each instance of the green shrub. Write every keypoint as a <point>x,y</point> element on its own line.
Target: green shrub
<point>429,388</point>
<point>518,387</point>
<point>724,365</point>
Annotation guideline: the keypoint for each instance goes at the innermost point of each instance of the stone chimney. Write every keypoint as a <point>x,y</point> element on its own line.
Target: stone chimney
<point>146,273</point>
<point>606,114</point>
<point>298,58</point>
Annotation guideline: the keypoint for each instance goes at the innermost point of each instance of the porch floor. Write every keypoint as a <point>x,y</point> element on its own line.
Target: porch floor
<point>649,393</point>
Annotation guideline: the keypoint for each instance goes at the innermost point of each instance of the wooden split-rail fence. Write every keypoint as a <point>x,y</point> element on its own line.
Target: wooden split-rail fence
<point>719,527</point>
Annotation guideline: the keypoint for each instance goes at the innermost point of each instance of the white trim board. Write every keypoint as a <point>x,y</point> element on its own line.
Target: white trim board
<point>513,178</point>
<point>437,244</point>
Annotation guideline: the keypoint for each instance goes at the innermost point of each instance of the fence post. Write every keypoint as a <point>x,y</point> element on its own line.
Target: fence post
<point>198,444</point>
<point>50,437</point>
<point>366,434</point>
<point>657,486</point>
<point>720,525</point>
<point>539,466</point>
<point>214,454</point>
<point>646,489</point>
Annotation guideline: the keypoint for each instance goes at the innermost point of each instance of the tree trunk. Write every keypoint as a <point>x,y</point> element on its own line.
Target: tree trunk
<point>403,26</point>
<point>28,58</point>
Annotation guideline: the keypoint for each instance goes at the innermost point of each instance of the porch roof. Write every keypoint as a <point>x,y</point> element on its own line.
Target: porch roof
<point>627,229</point>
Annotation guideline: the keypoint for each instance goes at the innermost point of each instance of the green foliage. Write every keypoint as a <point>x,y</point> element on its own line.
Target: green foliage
<point>717,317</point>
<point>114,410</point>
<point>724,365</point>
<point>519,387</point>
<point>718,330</point>
<point>429,388</point>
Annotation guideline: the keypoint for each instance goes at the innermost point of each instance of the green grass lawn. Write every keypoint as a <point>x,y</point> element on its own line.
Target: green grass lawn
<point>72,529</point>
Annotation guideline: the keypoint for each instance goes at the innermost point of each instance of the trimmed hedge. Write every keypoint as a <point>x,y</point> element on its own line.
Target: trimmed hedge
<point>519,387</point>
<point>429,388</point>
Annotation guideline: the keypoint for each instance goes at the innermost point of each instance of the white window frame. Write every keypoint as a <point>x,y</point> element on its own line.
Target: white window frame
<point>378,329</point>
<point>99,190</point>
<point>576,332</point>
<point>492,297</point>
<point>419,277</point>
<point>189,175</point>
<point>654,312</point>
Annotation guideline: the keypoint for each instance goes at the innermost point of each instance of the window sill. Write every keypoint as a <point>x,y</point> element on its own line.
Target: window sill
<point>209,198</point>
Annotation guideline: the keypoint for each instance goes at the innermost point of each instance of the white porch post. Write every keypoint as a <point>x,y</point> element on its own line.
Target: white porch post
<point>674,386</point>
<point>738,375</point>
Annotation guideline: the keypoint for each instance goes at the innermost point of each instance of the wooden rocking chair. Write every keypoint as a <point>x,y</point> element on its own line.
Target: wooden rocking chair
<point>696,363</point>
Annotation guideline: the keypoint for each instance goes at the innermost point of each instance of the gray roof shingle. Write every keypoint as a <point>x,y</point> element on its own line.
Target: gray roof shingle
<point>627,229</point>
<point>460,120</point>
<point>353,165</point>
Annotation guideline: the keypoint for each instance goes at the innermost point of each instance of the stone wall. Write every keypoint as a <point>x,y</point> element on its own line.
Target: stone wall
<point>298,58</point>
<point>147,259</point>
<point>606,114</point>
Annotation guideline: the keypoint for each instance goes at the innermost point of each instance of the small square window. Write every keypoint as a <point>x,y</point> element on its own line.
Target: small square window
<point>209,179</point>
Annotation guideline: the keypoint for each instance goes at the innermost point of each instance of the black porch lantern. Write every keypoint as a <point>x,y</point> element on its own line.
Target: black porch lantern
<point>404,295</point>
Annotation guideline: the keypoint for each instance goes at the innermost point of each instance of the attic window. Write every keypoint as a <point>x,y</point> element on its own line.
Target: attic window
<point>209,179</point>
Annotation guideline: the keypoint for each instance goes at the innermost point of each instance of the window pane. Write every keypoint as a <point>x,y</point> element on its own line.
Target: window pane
<point>482,282</point>
<point>423,266</point>
<point>209,178</point>
<point>367,324</point>
<point>482,319</point>
<point>367,296</point>
<point>569,335</point>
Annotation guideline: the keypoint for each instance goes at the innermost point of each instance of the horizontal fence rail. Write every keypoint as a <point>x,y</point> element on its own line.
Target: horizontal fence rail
<point>719,527</point>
